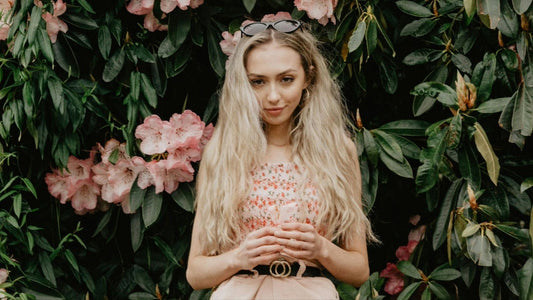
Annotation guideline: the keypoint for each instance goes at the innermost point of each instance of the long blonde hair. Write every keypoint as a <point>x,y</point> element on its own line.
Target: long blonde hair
<point>319,142</point>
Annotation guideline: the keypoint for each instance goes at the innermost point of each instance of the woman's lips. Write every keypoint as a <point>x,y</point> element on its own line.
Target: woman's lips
<point>275,111</point>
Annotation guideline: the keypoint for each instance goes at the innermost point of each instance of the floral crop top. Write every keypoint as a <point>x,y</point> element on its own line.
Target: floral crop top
<point>277,197</point>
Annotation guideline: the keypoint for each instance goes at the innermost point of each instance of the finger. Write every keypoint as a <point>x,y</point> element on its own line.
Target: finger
<point>295,235</point>
<point>297,226</point>
<point>265,231</point>
<point>306,254</point>
<point>266,240</point>
<point>264,259</point>
<point>265,250</point>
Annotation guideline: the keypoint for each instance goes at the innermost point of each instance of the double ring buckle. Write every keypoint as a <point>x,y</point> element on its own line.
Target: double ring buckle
<point>280,268</point>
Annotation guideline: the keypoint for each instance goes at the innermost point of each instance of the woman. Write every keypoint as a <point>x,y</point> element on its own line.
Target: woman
<point>279,187</point>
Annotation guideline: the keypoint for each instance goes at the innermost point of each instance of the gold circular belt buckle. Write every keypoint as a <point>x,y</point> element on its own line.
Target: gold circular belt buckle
<point>280,268</point>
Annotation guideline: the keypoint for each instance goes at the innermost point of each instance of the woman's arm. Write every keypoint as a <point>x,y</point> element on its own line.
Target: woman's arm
<point>348,264</point>
<point>259,248</point>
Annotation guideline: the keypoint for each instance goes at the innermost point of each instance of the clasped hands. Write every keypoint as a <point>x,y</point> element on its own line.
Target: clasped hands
<point>296,240</point>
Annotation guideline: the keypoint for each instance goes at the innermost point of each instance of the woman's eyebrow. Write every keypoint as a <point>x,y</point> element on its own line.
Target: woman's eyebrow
<point>291,70</point>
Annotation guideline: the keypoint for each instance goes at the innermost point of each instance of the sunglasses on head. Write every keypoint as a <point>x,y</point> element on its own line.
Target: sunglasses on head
<point>285,26</point>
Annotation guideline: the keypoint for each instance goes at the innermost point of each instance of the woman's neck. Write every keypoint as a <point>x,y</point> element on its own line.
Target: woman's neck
<point>278,136</point>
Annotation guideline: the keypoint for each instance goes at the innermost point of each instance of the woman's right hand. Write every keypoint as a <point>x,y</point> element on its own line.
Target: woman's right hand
<point>260,247</point>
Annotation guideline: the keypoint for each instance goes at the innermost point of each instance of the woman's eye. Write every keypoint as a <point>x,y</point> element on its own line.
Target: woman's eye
<point>287,79</point>
<point>256,81</point>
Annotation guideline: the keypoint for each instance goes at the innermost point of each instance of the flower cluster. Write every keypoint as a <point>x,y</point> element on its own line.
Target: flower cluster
<point>3,278</point>
<point>321,10</point>
<point>146,8</point>
<point>395,282</point>
<point>172,145</point>
<point>5,18</point>
<point>53,24</point>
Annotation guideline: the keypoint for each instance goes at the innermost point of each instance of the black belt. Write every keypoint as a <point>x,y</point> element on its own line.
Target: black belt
<point>267,270</point>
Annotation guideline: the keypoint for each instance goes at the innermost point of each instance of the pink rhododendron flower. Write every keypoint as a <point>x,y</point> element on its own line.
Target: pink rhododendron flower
<point>3,275</point>
<point>414,219</point>
<point>321,10</point>
<point>169,5</point>
<point>229,42</point>
<point>417,234</point>
<point>281,15</point>
<point>86,196</point>
<point>58,184</point>
<point>121,177</point>
<point>185,131</point>
<point>140,7</point>
<point>404,252</point>
<point>53,24</point>
<point>5,18</point>
<point>151,23</point>
<point>158,171</point>
<point>394,284</point>
<point>151,133</point>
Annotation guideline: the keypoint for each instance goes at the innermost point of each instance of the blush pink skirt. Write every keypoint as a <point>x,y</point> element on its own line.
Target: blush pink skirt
<point>268,287</point>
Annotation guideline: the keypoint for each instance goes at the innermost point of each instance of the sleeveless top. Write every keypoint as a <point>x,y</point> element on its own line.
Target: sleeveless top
<point>278,196</point>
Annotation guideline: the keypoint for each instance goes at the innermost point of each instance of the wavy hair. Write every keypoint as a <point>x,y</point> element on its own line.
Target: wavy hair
<point>319,138</point>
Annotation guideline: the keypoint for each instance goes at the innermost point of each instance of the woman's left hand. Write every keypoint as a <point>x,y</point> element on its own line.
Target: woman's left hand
<point>300,241</point>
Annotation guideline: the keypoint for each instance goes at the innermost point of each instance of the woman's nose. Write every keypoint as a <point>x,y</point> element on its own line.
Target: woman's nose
<point>273,93</point>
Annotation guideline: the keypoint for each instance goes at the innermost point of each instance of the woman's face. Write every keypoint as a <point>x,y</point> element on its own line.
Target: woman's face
<point>278,79</point>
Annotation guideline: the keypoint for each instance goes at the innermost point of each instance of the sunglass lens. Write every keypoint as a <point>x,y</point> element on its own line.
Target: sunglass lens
<point>286,26</point>
<point>254,28</point>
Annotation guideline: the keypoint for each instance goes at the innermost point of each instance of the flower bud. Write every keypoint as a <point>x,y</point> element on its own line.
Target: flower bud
<point>358,121</point>
<point>466,93</point>
<point>524,23</point>
<point>472,198</point>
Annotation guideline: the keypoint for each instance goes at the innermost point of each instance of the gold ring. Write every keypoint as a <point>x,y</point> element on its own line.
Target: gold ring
<point>280,268</point>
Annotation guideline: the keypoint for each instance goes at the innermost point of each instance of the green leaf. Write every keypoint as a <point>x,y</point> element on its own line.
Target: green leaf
<point>179,25</point>
<point>401,168</point>
<point>525,277</point>
<point>422,56</point>
<point>135,85</point>
<point>487,285</point>
<point>86,6</point>
<point>357,36</point>
<point>371,37</point>
<point>493,105</point>
<point>137,231</point>
<point>143,279</point>
<point>484,76</point>
<point>439,290</point>
<point>80,21</point>
<point>409,291</point>
<point>103,222</point>
<point>388,144</point>
<point>143,54</point>
<point>407,268</point>
<point>65,56</point>
<point>426,294</point>
<point>471,229</point>
<point>462,63</point>
<point>137,196</point>
<point>478,247</point>
<point>444,93</point>
<point>523,110</point>
<point>449,203</point>
<point>72,260</point>
<point>141,296</point>
<point>406,127</point>
<point>17,204</point>
<point>469,166</point>
<point>526,184</point>
<point>104,41</point>
<point>167,251</point>
<point>35,20</point>
<point>45,45</point>
<point>249,5</point>
<point>514,232</point>
<point>409,148</point>
<point>521,6</point>
<point>509,25</point>
<point>423,103</point>
<point>517,199</point>
<point>216,57</point>
<point>46,267</point>
<point>184,197</point>
<point>151,207</point>
<point>470,7</point>
<point>371,148</point>
<point>114,65</point>
<point>509,58</point>
<point>414,9</point>
<point>489,12</point>
<point>419,28</point>
<point>55,86</point>
<point>388,76</point>
<point>485,149</point>
<point>447,274</point>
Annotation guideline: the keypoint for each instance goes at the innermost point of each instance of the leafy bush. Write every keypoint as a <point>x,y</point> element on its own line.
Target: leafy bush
<point>442,98</point>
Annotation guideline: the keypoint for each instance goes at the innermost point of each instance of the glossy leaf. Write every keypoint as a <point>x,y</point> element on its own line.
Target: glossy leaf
<point>401,168</point>
<point>216,57</point>
<point>56,92</point>
<point>509,58</point>
<point>388,76</point>
<point>143,279</point>
<point>65,56</point>
<point>357,37</point>
<point>523,110</point>
<point>462,63</point>
<point>46,267</point>
<point>409,291</point>
<point>388,145</point>
<point>114,65</point>
<point>371,148</point>
<point>151,208</point>
<point>371,37</point>
<point>249,5</point>
<point>439,290</point>
<point>148,90</point>
<point>104,41</point>
<point>442,92</point>
<point>406,127</point>
<point>136,230</point>
<point>493,105</point>
<point>446,274</point>
<point>421,56</point>
<point>489,12</point>
<point>485,149</point>
<point>184,197</point>
<point>450,200</point>
<point>35,20</point>
<point>409,148</point>
<point>509,25</point>
<point>526,184</point>
<point>471,229</point>
<point>521,6</point>
<point>525,275</point>
<point>423,103</point>
<point>418,28</point>
<point>517,199</point>
<point>167,251</point>
<point>179,25</point>
<point>484,75</point>
<point>413,9</point>
<point>470,7</point>
<point>45,45</point>
<point>469,166</point>
<point>71,258</point>
<point>407,268</point>
<point>137,195</point>
<point>80,21</point>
